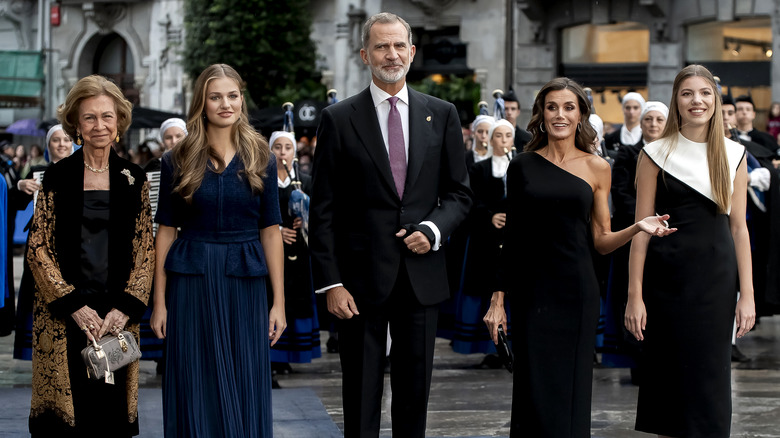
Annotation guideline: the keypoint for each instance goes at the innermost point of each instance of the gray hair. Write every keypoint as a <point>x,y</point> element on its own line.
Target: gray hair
<point>384,18</point>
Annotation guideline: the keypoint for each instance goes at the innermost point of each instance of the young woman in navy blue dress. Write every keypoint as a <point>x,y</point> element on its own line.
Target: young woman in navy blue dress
<point>217,189</point>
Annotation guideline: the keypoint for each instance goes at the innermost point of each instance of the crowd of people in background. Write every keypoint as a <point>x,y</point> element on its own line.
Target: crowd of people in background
<point>530,228</point>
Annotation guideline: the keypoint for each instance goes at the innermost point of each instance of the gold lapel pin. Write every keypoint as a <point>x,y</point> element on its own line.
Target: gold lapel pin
<point>428,119</point>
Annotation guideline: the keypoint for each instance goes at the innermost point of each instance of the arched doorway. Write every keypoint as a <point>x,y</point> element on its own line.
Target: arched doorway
<point>109,55</point>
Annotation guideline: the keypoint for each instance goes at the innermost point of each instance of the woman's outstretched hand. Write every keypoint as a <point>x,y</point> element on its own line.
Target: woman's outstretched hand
<point>656,225</point>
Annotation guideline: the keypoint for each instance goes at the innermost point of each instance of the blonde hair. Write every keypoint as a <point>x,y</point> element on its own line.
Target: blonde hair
<point>717,160</point>
<point>191,155</point>
<point>88,87</point>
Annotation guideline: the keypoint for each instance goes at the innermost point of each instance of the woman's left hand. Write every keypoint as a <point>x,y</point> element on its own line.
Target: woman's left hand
<point>496,315</point>
<point>276,323</point>
<point>297,223</point>
<point>113,323</point>
<point>746,315</point>
<point>656,225</point>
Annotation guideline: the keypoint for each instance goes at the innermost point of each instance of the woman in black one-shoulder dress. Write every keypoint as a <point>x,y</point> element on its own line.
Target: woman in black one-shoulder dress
<point>682,295</point>
<point>557,194</point>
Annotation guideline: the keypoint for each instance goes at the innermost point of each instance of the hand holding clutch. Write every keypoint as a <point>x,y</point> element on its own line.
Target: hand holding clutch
<point>504,352</point>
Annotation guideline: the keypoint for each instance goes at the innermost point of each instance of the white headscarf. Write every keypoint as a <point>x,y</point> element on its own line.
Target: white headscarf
<point>633,136</point>
<point>480,119</point>
<point>500,164</point>
<point>283,134</point>
<point>170,123</point>
<point>51,132</point>
<point>655,106</point>
<point>635,97</point>
<point>276,135</point>
<point>501,122</point>
<point>598,125</point>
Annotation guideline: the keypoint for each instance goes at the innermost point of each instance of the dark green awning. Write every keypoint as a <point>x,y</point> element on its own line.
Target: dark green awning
<point>21,79</point>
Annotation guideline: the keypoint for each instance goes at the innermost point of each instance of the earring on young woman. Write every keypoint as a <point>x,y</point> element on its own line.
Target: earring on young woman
<point>541,127</point>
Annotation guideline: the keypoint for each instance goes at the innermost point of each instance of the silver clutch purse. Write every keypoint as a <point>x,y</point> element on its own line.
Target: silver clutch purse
<point>110,354</point>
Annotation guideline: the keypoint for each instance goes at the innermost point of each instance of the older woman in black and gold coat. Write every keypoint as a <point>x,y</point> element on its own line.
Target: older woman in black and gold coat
<point>91,253</point>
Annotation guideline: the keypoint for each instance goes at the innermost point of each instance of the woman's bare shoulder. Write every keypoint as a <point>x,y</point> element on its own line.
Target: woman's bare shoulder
<point>596,163</point>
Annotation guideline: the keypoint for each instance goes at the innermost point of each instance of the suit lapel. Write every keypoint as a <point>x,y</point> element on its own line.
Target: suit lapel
<point>420,128</point>
<point>366,127</point>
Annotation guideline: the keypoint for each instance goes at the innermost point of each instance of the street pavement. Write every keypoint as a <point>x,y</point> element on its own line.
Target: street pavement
<point>465,401</point>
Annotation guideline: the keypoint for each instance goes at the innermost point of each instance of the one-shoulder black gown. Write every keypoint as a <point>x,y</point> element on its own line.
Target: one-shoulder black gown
<point>548,272</point>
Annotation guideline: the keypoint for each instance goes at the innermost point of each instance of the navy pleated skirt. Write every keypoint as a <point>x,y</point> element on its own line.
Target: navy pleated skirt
<point>218,374</point>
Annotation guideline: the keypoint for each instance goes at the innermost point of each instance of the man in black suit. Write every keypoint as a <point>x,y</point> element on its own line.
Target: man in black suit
<point>746,114</point>
<point>390,185</point>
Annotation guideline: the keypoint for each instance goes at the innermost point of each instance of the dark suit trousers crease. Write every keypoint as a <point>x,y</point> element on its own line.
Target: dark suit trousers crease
<point>362,347</point>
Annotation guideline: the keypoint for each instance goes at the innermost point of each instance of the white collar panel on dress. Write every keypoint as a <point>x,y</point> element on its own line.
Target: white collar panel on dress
<point>688,162</point>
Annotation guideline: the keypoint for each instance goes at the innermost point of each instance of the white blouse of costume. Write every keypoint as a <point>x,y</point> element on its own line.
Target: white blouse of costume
<point>688,162</point>
<point>499,166</point>
<point>630,137</point>
<point>478,157</point>
<point>287,181</point>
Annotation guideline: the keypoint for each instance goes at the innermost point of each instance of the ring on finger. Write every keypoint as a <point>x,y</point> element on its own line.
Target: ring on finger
<point>84,328</point>
<point>92,327</point>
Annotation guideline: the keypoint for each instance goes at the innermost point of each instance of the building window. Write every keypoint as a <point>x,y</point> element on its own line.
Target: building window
<point>609,59</point>
<point>739,53</point>
<point>621,43</point>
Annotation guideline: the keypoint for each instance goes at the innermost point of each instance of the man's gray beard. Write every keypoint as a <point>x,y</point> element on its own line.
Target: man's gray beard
<point>388,79</point>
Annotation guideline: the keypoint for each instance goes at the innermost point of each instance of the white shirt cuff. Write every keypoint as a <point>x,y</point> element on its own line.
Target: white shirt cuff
<point>327,288</point>
<point>436,233</point>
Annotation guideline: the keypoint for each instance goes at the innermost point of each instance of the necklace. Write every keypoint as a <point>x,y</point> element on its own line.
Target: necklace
<point>96,170</point>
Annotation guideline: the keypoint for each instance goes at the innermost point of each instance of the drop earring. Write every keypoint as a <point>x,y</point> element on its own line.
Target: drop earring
<point>117,138</point>
<point>79,140</point>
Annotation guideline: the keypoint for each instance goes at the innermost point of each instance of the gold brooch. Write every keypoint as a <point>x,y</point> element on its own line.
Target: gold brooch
<point>130,178</point>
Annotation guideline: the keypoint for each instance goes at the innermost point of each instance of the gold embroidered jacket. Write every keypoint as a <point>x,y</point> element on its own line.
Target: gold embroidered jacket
<point>55,261</point>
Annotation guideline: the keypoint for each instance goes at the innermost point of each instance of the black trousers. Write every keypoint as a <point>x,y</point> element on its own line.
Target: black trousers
<point>362,347</point>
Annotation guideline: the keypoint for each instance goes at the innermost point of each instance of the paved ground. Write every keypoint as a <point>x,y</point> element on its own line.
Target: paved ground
<point>465,401</point>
